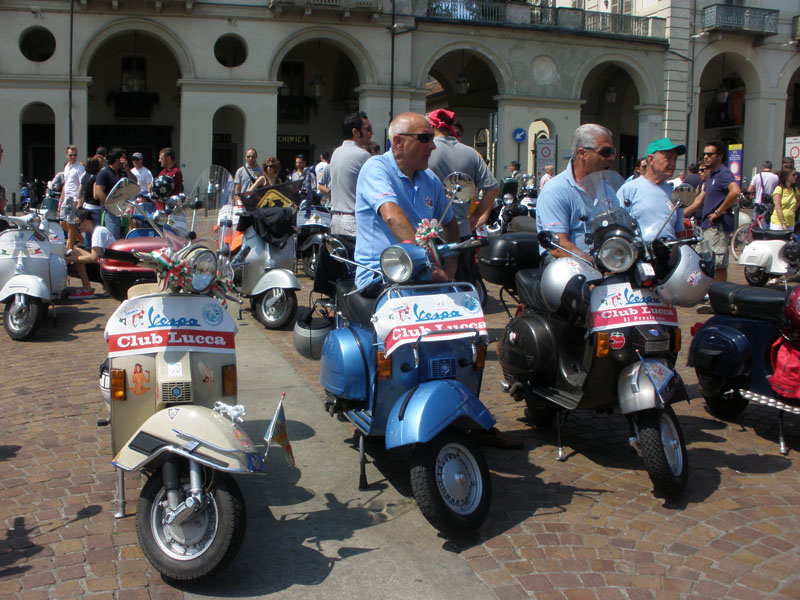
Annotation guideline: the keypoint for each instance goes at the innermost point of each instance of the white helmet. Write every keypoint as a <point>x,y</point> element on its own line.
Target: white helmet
<point>689,277</point>
<point>559,276</point>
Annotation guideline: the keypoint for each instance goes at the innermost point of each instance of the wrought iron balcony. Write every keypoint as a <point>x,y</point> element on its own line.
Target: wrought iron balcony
<point>740,19</point>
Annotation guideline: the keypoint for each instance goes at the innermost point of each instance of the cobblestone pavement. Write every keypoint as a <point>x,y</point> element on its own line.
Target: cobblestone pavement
<point>589,527</point>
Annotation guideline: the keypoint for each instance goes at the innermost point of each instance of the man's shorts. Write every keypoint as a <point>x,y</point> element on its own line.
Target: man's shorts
<point>67,210</point>
<point>720,242</point>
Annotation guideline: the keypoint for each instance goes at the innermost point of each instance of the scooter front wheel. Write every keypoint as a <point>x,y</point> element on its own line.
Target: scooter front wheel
<point>201,545</point>
<point>22,319</point>
<point>450,482</point>
<point>275,308</point>
<point>663,450</point>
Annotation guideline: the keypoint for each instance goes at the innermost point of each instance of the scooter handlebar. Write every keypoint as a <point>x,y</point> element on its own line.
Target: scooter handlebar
<point>121,255</point>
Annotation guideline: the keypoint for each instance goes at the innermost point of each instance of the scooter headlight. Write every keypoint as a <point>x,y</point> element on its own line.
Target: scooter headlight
<point>397,264</point>
<point>508,199</point>
<point>202,270</point>
<point>617,254</point>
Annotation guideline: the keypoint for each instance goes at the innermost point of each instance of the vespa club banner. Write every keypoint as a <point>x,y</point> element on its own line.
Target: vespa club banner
<point>15,243</point>
<point>401,320</point>
<point>619,304</point>
<point>175,323</point>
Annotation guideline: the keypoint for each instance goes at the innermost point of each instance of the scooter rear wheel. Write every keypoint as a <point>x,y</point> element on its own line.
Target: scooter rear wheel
<point>21,321</point>
<point>721,396</point>
<point>275,308</point>
<point>756,276</point>
<point>450,482</point>
<point>201,546</point>
<point>740,238</point>
<point>663,450</point>
<point>310,261</point>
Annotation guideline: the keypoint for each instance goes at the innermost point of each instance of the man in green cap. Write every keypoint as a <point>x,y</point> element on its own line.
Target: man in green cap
<point>650,196</point>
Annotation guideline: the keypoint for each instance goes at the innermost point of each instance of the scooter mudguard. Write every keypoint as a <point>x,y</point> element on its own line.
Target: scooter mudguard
<point>196,433</point>
<point>648,384</point>
<point>281,278</point>
<point>764,254</point>
<point>425,411</point>
<point>30,285</point>
<point>316,239</point>
<point>720,350</point>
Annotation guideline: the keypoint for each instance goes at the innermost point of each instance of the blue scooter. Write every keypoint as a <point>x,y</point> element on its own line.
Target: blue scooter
<point>405,363</point>
<point>731,352</point>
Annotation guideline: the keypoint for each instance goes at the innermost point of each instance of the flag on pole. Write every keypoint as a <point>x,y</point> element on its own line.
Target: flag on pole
<point>277,432</point>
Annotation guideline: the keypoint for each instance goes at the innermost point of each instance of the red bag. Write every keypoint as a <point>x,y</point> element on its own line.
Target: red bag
<point>785,359</point>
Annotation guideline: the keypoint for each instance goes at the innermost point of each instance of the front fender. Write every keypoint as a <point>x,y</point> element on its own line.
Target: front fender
<point>426,410</point>
<point>636,390</point>
<point>316,239</point>
<point>282,278</point>
<point>30,285</point>
<point>195,433</point>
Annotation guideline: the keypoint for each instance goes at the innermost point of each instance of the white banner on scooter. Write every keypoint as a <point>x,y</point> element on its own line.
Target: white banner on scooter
<point>402,320</point>
<point>618,305</point>
<point>175,323</point>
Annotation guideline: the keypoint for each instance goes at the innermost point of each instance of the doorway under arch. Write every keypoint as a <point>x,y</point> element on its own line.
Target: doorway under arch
<point>38,126</point>
<point>227,144</point>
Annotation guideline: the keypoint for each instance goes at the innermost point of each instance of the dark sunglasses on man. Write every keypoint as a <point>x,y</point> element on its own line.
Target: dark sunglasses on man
<point>422,138</point>
<point>605,151</point>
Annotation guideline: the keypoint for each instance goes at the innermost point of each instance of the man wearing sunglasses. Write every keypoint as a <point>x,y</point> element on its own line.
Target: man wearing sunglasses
<point>247,173</point>
<point>341,175</point>
<point>721,193</point>
<point>395,191</point>
<point>650,195</point>
<point>579,190</point>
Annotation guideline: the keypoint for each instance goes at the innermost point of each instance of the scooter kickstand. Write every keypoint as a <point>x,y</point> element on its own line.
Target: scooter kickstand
<point>362,470</point>
<point>561,457</point>
<point>120,494</point>
<point>781,441</point>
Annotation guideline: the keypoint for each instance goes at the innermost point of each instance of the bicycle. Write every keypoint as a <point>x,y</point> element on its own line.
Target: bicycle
<point>744,233</point>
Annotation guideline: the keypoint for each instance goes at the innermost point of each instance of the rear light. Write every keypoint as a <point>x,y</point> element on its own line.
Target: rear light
<point>480,357</point>
<point>603,348</point>
<point>117,384</point>
<point>696,327</point>
<point>384,366</point>
<point>229,380</point>
<point>675,340</point>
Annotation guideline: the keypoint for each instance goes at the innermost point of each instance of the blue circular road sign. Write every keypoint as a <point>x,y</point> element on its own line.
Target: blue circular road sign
<point>519,135</point>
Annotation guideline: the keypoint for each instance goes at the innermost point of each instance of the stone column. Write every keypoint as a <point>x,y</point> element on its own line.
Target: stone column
<point>651,125</point>
<point>763,130</point>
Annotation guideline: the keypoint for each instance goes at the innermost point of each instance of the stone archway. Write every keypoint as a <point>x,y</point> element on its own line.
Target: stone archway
<point>227,143</point>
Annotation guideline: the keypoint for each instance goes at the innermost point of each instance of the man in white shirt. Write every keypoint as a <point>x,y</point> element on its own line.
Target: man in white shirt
<point>68,200</point>
<point>764,183</point>
<point>143,175</point>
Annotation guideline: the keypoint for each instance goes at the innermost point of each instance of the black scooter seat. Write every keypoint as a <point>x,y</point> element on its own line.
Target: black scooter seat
<point>747,302</point>
<point>354,306</point>
<point>528,288</point>
<point>772,234</point>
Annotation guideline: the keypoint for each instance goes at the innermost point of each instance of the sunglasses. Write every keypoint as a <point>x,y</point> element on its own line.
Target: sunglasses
<point>71,155</point>
<point>250,156</point>
<point>605,151</point>
<point>702,170</point>
<point>710,153</point>
<point>423,138</point>
<point>272,166</point>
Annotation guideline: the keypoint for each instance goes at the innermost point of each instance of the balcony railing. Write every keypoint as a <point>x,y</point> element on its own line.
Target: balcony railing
<point>342,5</point>
<point>616,23</point>
<point>740,19</point>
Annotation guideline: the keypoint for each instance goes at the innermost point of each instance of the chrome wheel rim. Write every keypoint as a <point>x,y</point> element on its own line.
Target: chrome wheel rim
<point>458,479</point>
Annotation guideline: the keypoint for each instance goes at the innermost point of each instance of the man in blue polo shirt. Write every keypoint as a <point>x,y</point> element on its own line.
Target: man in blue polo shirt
<point>579,190</point>
<point>721,193</point>
<point>395,191</point>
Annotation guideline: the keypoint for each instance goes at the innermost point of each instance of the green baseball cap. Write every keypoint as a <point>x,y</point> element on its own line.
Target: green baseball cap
<point>663,145</point>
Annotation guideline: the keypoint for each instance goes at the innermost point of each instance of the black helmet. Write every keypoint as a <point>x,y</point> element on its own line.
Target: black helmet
<point>162,186</point>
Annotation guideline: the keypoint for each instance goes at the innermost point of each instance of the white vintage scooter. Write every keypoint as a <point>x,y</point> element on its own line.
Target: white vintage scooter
<point>172,395</point>
<point>33,271</point>
<point>772,253</point>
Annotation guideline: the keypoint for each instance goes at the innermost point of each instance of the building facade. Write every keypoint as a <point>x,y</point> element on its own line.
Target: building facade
<point>213,79</point>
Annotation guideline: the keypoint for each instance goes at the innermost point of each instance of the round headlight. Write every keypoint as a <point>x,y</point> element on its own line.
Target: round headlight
<point>396,264</point>
<point>202,270</point>
<point>617,254</point>
<point>508,199</point>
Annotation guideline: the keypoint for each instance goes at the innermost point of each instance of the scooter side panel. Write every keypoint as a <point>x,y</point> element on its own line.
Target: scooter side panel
<point>722,347</point>
<point>765,254</point>
<point>425,411</point>
<point>347,358</point>
<point>222,444</point>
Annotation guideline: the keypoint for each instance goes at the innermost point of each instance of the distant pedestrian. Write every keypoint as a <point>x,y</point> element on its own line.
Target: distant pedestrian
<point>247,174</point>
<point>102,154</point>
<point>693,178</point>
<point>299,168</point>
<point>785,199</point>
<point>143,175</point>
<point>116,169</point>
<point>101,238</point>
<point>170,168</point>
<point>70,191</point>
<point>549,171</point>
<point>721,193</point>
<point>764,183</point>
<point>788,163</point>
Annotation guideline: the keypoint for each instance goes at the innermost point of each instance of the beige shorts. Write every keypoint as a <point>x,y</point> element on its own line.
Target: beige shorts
<point>720,242</point>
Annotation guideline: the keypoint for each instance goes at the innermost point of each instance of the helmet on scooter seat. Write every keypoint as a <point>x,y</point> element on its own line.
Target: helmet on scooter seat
<point>789,321</point>
<point>310,333</point>
<point>688,275</point>
<point>563,286</point>
<point>162,186</point>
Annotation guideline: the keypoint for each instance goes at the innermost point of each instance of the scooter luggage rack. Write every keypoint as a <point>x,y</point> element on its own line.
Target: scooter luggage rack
<point>782,408</point>
<point>445,287</point>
